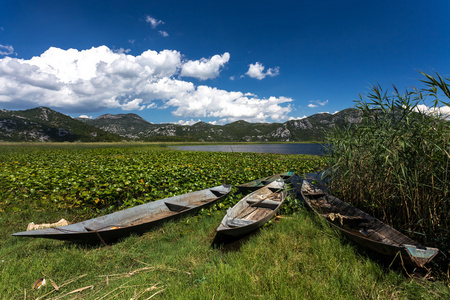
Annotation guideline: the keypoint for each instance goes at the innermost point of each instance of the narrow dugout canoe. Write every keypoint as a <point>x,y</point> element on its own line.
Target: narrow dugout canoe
<point>364,229</point>
<point>259,183</point>
<point>253,211</point>
<point>138,219</point>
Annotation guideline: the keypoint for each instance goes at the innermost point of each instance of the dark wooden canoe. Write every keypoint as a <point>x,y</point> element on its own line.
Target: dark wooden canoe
<point>253,211</point>
<point>138,219</point>
<point>364,229</point>
<point>259,183</point>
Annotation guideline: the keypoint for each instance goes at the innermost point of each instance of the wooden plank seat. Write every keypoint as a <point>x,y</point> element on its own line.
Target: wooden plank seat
<point>264,204</point>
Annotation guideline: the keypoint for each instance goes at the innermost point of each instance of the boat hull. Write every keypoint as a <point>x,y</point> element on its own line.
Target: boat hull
<point>259,183</point>
<point>135,220</point>
<point>253,211</point>
<point>364,229</point>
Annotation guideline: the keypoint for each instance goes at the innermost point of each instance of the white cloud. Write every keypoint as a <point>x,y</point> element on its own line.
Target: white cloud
<point>298,118</point>
<point>256,70</point>
<point>443,111</point>
<point>163,33</point>
<point>188,122</point>
<point>122,50</point>
<point>204,69</point>
<point>316,103</point>
<point>134,104</point>
<point>100,78</point>
<point>6,49</point>
<point>85,117</point>
<point>154,22</point>
<point>208,102</point>
<point>91,79</point>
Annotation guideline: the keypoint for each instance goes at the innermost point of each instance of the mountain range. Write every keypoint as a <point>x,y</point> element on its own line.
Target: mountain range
<point>46,125</point>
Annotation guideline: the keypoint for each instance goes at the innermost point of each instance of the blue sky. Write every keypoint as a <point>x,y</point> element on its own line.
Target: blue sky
<point>215,61</point>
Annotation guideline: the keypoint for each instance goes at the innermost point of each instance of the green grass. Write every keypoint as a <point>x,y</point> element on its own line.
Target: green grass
<point>296,256</point>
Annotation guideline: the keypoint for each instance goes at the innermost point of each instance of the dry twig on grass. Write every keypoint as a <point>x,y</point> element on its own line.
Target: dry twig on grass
<point>66,283</point>
<point>75,291</point>
<point>154,287</point>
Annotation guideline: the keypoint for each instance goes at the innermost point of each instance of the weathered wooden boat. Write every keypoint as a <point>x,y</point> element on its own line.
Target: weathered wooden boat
<point>253,211</point>
<point>259,183</point>
<point>138,219</point>
<point>365,229</point>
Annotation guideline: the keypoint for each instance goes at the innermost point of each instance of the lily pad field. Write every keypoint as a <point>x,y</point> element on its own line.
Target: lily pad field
<point>295,256</point>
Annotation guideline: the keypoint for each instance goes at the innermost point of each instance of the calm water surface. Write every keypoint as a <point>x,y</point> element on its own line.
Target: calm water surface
<point>310,149</point>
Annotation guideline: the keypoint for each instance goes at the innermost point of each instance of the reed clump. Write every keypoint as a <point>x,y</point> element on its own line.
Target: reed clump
<point>394,164</point>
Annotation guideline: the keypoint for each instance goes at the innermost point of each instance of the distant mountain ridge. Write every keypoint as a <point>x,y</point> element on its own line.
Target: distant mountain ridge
<point>44,124</point>
<point>306,129</point>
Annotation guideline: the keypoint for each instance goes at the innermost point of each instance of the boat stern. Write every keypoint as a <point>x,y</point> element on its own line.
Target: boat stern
<point>420,256</point>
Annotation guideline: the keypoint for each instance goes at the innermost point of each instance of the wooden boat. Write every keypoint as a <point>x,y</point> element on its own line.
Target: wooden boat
<point>253,211</point>
<point>138,219</point>
<point>364,229</point>
<point>259,183</point>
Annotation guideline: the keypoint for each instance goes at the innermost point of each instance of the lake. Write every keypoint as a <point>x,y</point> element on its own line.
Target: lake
<point>310,149</point>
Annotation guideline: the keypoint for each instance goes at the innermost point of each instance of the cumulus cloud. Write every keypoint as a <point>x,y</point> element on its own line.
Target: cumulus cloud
<point>316,103</point>
<point>209,102</point>
<point>6,50</point>
<point>443,111</point>
<point>154,22</point>
<point>99,78</point>
<point>204,69</point>
<point>134,104</point>
<point>256,70</point>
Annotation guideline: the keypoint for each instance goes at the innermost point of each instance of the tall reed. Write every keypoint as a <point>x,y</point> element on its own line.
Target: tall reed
<point>395,162</point>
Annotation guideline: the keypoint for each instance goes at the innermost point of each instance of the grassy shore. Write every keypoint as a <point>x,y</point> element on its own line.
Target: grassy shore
<point>296,256</point>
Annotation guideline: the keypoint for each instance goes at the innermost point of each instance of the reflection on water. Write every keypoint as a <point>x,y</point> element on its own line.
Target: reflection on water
<point>310,149</point>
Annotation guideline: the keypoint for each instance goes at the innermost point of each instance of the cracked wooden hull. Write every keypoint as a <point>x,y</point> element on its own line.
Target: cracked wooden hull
<point>364,229</point>
<point>135,220</point>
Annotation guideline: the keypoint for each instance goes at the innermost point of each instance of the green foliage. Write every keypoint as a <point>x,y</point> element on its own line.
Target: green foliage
<point>296,256</point>
<point>395,163</point>
<point>106,178</point>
